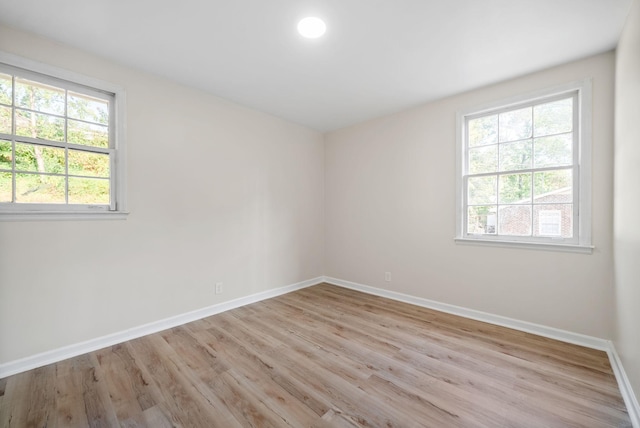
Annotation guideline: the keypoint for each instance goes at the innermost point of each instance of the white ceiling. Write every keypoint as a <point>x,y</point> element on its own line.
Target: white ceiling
<point>377,57</point>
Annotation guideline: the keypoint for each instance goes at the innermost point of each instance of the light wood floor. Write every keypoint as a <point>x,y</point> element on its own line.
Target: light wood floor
<point>323,357</point>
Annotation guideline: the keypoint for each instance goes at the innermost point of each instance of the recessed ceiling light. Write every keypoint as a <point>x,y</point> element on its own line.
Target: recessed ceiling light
<point>311,27</point>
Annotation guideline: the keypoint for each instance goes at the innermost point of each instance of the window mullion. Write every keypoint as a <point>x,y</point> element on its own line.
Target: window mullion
<point>59,116</point>
<point>522,171</point>
<point>58,144</point>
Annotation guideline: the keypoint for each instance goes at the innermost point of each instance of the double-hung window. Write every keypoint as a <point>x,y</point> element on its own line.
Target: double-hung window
<point>524,171</point>
<point>60,152</point>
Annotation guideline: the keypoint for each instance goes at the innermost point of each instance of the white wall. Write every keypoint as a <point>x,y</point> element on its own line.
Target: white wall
<point>627,198</point>
<point>217,192</point>
<point>390,206</point>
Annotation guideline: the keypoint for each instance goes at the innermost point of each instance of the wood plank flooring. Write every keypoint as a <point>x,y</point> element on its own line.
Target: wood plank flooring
<point>323,357</point>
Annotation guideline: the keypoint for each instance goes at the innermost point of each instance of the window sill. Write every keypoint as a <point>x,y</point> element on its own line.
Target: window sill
<point>567,248</point>
<point>61,216</point>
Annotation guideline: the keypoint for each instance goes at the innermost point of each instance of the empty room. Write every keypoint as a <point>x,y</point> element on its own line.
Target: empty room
<point>413,213</point>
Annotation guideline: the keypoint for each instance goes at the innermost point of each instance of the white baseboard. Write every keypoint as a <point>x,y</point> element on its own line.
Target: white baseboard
<point>53,356</point>
<point>626,390</point>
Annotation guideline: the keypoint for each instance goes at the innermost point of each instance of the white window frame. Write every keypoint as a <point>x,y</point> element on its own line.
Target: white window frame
<point>582,165</point>
<point>70,80</point>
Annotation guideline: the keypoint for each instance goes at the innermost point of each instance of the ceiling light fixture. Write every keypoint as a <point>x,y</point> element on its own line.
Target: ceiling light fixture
<point>311,27</point>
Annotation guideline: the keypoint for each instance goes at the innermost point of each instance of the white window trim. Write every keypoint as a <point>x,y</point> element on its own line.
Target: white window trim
<point>584,89</point>
<point>27,213</point>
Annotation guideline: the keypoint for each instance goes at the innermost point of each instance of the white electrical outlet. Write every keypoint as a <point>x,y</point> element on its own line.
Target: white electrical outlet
<point>218,288</point>
<point>387,276</point>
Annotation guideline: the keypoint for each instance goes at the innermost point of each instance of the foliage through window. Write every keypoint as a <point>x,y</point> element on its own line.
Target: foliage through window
<point>521,177</point>
<point>57,144</point>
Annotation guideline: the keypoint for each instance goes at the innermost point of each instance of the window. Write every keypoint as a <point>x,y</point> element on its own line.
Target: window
<point>524,171</point>
<point>61,154</point>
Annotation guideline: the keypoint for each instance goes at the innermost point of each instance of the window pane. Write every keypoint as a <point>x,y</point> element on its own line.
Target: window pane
<point>87,134</point>
<point>5,119</point>
<point>553,220</point>
<point>515,125</point>
<point>514,220</point>
<point>515,156</point>
<point>483,159</point>
<point>88,191</point>
<point>515,189</point>
<point>553,151</point>
<point>553,118</point>
<point>5,89</point>
<point>6,155</point>
<point>483,130</point>
<point>88,108</point>
<point>36,188</point>
<point>31,157</point>
<point>88,164</point>
<point>39,97</point>
<point>38,125</point>
<point>5,186</point>
<point>553,186</point>
<point>482,220</point>
<point>482,190</point>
